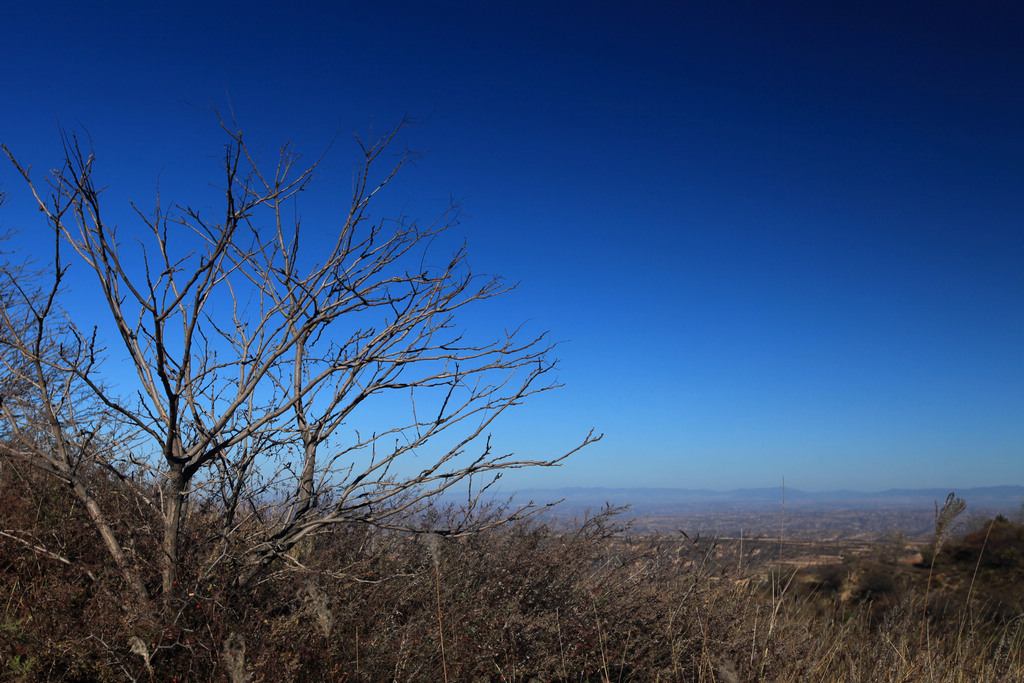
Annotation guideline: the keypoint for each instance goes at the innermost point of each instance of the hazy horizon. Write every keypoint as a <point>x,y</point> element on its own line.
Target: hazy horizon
<point>779,488</point>
<point>780,240</point>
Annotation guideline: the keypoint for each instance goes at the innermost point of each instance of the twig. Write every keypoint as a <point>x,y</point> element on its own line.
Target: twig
<point>48,553</point>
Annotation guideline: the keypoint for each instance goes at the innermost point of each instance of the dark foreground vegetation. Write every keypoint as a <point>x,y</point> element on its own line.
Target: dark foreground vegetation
<point>518,603</point>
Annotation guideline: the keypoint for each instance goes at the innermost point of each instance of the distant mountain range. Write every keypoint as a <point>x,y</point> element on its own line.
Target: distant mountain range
<point>649,500</point>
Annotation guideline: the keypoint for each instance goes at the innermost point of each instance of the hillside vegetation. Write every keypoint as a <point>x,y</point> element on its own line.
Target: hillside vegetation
<point>518,603</point>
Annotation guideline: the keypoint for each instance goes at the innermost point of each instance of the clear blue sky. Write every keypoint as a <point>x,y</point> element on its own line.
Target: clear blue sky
<point>782,239</point>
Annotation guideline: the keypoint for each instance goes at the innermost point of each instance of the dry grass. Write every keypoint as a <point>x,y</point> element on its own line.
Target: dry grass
<point>527,602</point>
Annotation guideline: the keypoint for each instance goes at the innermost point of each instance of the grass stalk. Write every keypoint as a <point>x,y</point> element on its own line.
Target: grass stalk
<point>434,546</point>
<point>600,641</point>
<point>944,519</point>
<point>440,621</point>
<point>561,648</point>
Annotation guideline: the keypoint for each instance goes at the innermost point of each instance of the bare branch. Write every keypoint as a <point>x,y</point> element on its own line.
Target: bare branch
<point>48,553</point>
<point>255,351</point>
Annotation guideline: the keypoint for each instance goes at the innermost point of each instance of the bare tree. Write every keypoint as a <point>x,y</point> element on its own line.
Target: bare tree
<point>252,355</point>
<point>49,417</point>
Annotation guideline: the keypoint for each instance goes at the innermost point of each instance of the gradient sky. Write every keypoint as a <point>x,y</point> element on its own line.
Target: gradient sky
<point>780,239</point>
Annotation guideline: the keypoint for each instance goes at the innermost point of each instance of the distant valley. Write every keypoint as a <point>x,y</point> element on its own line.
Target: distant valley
<point>824,515</point>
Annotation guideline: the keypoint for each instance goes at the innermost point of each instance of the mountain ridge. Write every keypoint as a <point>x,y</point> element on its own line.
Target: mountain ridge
<point>1003,496</point>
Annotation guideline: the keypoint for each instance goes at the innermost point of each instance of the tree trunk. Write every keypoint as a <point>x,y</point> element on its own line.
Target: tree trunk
<point>128,573</point>
<point>173,505</point>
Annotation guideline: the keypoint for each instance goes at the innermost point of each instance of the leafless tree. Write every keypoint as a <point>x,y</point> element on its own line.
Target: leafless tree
<point>252,355</point>
<point>49,417</point>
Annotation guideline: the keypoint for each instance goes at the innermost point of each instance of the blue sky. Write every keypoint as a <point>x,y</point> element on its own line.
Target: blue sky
<point>780,239</point>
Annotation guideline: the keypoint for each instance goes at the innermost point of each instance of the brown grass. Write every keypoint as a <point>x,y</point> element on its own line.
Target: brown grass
<point>526,602</point>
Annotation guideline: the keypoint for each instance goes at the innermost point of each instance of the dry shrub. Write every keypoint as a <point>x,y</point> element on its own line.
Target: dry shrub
<point>527,601</point>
